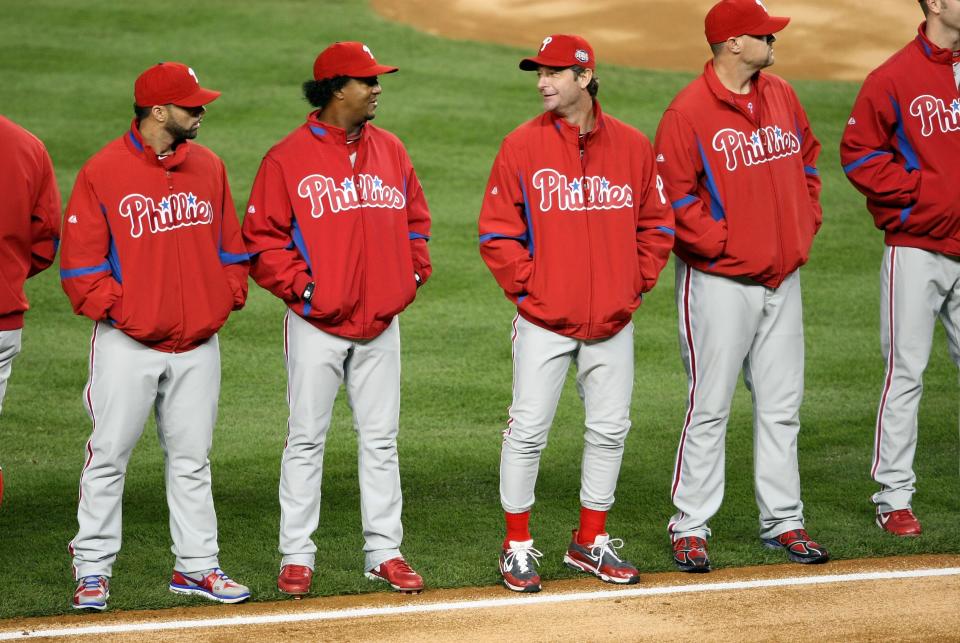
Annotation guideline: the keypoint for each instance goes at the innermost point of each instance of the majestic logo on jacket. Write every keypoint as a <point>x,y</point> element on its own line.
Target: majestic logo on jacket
<point>934,114</point>
<point>368,191</point>
<point>581,193</point>
<point>760,146</point>
<point>173,211</point>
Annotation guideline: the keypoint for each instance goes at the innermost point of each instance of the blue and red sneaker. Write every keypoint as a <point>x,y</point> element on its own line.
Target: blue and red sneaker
<point>212,584</point>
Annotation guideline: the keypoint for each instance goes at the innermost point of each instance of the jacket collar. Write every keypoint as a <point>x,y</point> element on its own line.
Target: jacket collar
<point>722,93</point>
<point>140,148</point>
<point>327,133</point>
<point>572,132</point>
<point>933,52</point>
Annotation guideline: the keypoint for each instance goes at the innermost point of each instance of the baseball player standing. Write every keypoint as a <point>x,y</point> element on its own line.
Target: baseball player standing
<point>29,233</point>
<point>337,226</point>
<point>739,161</point>
<point>575,227</point>
<point>152,254</point>
<point>900,149</point>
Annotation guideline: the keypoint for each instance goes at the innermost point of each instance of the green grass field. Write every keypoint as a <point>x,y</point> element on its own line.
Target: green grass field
<point>68,71</point>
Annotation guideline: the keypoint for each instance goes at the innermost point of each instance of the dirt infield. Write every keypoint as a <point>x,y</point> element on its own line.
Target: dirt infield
<point>829,39</point>
<point>674,607</point>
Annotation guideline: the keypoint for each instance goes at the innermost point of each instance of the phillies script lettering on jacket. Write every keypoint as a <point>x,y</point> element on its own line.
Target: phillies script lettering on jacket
<point>745,191</point>
<point>358,230</point>
<point>153,245</point>
<point>29,217</point>
<point>575,231</point>
<point>901,147</point>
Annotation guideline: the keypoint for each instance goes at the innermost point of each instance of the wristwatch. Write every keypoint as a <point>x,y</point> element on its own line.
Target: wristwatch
<point>308,292</point>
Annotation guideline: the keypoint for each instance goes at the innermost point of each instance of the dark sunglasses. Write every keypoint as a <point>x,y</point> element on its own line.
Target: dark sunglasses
<point>193,111</point>
<point>769,38</point>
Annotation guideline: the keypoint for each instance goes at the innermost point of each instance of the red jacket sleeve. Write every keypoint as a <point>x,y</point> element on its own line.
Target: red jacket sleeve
<point>233,254</point>
<point>680,165</point>
<point>879,161</point>
<point>418,222</point>
<point>504,233</point>
<point>85,269</point>
<point>810,151</point>
<point>270,232</point>
<point>655,222</point>
<point>45,219</point>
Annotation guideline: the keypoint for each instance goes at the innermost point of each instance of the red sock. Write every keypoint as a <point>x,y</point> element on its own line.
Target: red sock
<point>518,527</point>
<point>592,524</point>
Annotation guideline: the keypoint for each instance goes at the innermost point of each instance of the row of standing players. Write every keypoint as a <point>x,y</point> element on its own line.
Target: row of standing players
<point>578,219</point>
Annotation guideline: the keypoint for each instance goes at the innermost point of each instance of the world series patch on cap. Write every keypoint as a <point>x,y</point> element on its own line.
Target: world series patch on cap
<point>561,50</point>
<point>167,82</point>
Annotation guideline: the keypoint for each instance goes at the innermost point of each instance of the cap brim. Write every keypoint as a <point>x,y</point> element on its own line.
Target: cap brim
<point>773,24</point>
<point>361,72</point>
<point>200,97</point>
<point>531,64</point>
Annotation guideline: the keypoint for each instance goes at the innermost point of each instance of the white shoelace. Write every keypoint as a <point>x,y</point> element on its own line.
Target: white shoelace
<point>522,556</point>
<point>608,547</point>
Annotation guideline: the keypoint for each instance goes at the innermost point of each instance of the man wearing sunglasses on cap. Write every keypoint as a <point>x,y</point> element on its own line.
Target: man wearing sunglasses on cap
<point>152,253</point>
<point>739,162</point>
<point>337,226</point>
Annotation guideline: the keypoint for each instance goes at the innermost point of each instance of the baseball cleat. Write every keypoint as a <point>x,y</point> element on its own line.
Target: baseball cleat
<point>799,546</point>
<point>212,584</point>
<point>398,574</point>
<point>294,580</point>
<point>900,522</point>
<point>690,554</point>
<point>601,560</point>
<point>517,566</point>
<point>92,593</point>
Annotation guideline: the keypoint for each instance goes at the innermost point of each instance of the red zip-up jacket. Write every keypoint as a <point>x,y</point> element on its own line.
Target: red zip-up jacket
<point>901,147</point>
<point>358,231</point>
<point>746,192</point>
<point>29,217</point>
<point>575,230</point>
<point>153,245</point>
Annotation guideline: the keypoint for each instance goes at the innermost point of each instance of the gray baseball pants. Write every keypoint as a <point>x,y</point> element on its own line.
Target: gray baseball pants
<point>541,359</point>
<point>916,287</point>
<point>728,325</point>
<point>127,379</point>
<point>9,348</point>
<point>317,363</point>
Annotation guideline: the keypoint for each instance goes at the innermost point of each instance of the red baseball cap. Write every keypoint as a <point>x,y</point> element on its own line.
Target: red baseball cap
<point>171,83</point>
<point>732,18</point>
<point>353,59</point>
<point>561,50</point>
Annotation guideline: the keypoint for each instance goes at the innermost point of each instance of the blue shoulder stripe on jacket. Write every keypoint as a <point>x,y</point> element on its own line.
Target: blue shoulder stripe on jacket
<point>417,235</point>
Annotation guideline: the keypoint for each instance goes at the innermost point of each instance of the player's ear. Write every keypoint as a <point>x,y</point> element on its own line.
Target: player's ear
<point>159,112</point>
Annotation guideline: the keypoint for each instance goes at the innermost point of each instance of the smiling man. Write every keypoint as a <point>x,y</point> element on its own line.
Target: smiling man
<point>575,227</point>
<point>338,227</point>
<point>152,254</point>
<point>739,161</point>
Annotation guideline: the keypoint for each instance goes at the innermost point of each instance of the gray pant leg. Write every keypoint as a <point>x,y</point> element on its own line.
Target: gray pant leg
<point>186,410</point>
<point>373,390</point>
<point>540,363</point>
<point>774,374</point>
<point>605,383</point>
<point>718,318</point>
<point>314,372</point>
<point>122,387</point>
<point>9,348</point>
<point>911,296</point>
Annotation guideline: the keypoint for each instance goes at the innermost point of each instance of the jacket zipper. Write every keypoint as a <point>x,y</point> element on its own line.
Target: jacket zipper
<point>585,190</point>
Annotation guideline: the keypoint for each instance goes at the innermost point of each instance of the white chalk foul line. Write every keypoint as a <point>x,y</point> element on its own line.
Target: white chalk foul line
<point>512,601</point>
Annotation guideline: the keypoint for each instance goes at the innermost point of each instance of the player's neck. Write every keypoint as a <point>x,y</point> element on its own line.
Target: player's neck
<point>580,115</point>
<point>734,75</point>
<point>943,36</point>
<point>158,138</point>
<point>338,118</point>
